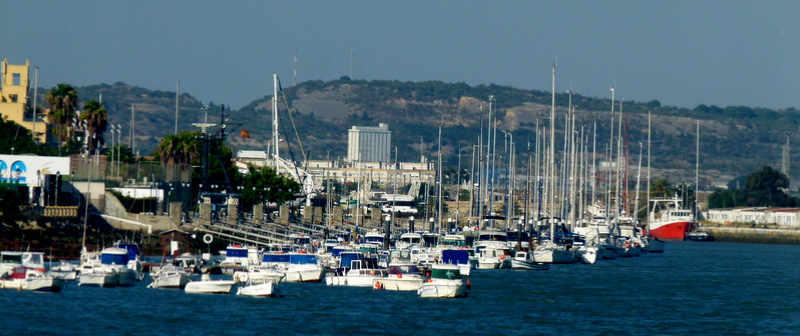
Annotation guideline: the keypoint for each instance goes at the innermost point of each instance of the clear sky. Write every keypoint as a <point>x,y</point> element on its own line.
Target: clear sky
<point>682,53</point>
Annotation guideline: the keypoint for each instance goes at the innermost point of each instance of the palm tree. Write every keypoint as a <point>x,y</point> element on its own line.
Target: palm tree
<point>63,101</point>
<point>183,148</point>
<point>96,118</point>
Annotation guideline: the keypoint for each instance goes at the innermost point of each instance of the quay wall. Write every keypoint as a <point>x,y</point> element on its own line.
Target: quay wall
<point>759,235</point>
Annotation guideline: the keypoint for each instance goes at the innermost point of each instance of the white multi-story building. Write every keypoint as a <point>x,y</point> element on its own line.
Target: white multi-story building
<point>369,144</point>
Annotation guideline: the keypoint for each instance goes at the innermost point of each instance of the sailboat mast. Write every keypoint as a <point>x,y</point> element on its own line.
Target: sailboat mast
<point>439,191</point>
<point>552,158</point>
<point>649,134</point>
<point>697,172</point>
<point>275,120</point>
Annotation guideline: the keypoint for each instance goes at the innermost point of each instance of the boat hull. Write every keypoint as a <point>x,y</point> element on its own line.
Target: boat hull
<point>98,279</point>
<point>268,289</point>
<point>670,230</point>
<point>529,265</point>
<point>398,284</point>
<point>439,288</point>
<point>210,287</point>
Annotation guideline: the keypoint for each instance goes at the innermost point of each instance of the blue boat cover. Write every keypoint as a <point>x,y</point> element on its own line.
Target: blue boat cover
<point>455,257</point>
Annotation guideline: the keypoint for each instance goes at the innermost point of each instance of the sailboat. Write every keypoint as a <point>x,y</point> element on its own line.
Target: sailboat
<point>695,234</point>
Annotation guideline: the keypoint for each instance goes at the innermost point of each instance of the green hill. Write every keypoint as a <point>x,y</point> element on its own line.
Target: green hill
<point>735,140</point>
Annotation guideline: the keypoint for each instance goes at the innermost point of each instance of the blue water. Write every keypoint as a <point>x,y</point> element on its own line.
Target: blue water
<point>693,288</point>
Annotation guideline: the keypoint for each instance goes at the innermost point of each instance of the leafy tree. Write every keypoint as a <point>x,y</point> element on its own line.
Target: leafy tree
<point>63,101</point>
<point>264,184</point>
<point>766,188</point>
<point>10,201</point>
<point>17,137</point>
<point>96,118</point>
<point>661,188</point>
<point>762,188</point>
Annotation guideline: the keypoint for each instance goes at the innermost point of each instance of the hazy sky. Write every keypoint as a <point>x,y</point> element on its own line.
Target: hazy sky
<point>682,53</point>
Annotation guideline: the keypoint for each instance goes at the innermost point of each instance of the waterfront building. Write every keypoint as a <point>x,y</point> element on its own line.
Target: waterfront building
<point>366,144</point>
<point>14,98</point>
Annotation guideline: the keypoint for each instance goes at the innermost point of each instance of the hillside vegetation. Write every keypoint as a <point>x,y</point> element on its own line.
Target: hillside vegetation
<point>735,140</point>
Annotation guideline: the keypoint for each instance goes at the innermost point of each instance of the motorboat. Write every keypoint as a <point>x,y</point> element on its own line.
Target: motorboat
<point>552,253</point>
<point>238,258</point>
<point>359,271</point>
<point>493,257</point>
<point>522,261</point>
<point>402,277</point>
<point>109,268</point>
<point>134,259</point>
<point>9,260</point>
<point>408,240</point>
<point>31,279</point>
<point>445,282</point>
<point>25,271</point>
<point>65,270</point>
<point>298,267</point>
<point>588,254</point>
<point>208,286</point>
<point>261,287</point>
<point>699,236</point>
<point>268,272</point>
<point>170,277</point>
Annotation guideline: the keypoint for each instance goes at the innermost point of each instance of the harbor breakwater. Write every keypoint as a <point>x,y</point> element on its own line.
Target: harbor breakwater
<point>749,234</point>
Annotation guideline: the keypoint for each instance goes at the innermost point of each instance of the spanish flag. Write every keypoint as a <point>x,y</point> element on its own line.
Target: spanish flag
<point>245,134</point>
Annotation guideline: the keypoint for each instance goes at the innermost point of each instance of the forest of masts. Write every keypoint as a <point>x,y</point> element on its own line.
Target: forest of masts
<point>559,187</point>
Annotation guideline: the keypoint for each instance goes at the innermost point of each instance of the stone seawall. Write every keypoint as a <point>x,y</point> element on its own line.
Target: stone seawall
<point>742,234</point>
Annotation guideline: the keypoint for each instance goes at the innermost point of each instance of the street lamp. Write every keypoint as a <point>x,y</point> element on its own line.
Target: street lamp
<point>431,223</point>
<point>410,223</point>
<point>386,231</point>
<point>58,185</point>
<point>39,184</point>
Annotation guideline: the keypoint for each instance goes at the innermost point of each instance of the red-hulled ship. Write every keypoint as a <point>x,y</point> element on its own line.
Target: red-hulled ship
<point>668,220</point>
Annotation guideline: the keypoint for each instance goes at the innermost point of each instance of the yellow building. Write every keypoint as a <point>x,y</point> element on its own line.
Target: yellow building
<point>14,88</point>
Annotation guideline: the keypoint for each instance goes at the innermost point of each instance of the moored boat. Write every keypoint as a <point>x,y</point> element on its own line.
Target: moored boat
<point>402,277</point>
<point>699,236</point>
<point>445,282</point>
<point>522,261</point>
<point>170,277</point>
<point>208,286</point>
<point>262,287</point>
<point>672,222</point>
<point>31,279</point>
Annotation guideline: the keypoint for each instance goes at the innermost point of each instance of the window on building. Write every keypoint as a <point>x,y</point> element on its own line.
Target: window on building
<point>17,79</point>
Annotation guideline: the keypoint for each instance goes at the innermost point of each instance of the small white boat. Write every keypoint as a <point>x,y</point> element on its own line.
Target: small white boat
<point>523,261</point>
<point>361,271</point>
<point>402,277</point>
<point>108,269</point>
<point>588,254</point>
<point>260,287</point>
<point>208,286</point>
<point>26,278</point>
<point>298,267</point>
<point>493,257</point>
<point>445,282</point>
<point>170,277</point>
<point>259,272</point>
<point>552,253</point>
<point>65,270</point>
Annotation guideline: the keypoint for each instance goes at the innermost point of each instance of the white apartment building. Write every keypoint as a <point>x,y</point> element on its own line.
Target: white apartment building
<point>369,144</point>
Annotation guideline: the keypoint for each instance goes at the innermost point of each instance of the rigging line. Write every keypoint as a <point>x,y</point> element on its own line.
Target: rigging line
<point>289,146</point>
<point>299,143</point>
